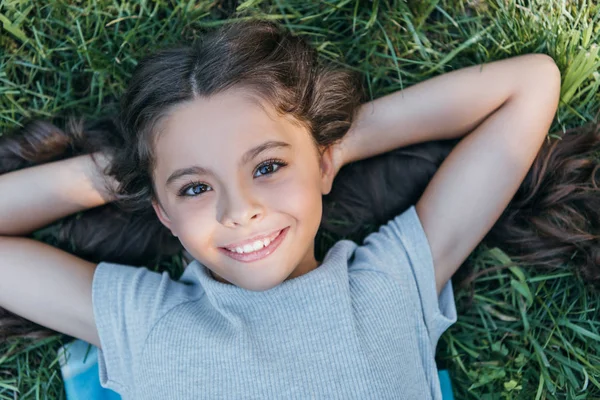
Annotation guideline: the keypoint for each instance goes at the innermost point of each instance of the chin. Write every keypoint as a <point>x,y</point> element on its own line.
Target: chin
<point>263,284</point>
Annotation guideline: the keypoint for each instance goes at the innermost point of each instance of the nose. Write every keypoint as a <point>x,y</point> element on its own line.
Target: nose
<point>238,207</point>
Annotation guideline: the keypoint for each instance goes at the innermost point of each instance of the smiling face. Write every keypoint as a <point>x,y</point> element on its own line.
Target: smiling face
<point>241,187</point>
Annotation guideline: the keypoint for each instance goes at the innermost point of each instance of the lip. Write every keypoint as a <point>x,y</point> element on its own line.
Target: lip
<point>260,254</point>
<point>252,239</point>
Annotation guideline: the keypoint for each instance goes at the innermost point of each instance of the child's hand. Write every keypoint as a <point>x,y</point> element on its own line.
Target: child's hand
<point>105,185</point>
<point>337,154</point>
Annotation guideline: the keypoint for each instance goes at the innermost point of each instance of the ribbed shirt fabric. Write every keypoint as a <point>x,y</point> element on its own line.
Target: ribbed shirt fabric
<point>362,325</point>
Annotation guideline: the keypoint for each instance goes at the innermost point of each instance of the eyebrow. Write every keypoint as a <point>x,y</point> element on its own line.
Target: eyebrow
<point>248,156</point>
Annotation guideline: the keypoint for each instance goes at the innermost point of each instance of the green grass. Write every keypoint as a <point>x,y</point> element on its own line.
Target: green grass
<point>520,334</point>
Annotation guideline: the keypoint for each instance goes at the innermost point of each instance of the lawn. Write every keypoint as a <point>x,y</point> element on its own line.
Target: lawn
<point>521,334</point>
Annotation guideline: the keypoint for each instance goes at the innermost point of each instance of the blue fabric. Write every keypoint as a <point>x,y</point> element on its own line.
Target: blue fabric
<point>79,368</point>
<point>445,384</point>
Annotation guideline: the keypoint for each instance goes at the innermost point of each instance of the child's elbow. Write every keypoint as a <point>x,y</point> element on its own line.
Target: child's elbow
<point>548,72</point>
<point>540,81</point>
<point>552,69</point>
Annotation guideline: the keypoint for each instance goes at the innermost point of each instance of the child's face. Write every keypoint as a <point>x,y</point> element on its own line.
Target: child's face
<point>256,174</point>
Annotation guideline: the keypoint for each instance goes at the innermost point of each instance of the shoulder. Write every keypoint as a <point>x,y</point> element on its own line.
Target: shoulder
<point>396,244</point>
<point>401,252</point>
<point>140,282</point>
<point>125,295</point>
<point>128,302</point>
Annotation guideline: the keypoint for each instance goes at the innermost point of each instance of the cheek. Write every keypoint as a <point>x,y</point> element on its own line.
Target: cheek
<point>193,222</point>
<point>299,196</point>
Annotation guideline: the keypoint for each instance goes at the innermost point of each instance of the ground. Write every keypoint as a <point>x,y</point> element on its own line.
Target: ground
<point>521,334</point>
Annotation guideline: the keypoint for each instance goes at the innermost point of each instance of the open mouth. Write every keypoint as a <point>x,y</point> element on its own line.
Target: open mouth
<point>256,250</point>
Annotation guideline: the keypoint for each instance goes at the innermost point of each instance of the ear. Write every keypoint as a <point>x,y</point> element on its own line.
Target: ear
<point>327,170</point>
<point>162,216</point>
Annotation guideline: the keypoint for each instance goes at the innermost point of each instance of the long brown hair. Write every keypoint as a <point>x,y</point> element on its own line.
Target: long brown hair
<point>552,220</point>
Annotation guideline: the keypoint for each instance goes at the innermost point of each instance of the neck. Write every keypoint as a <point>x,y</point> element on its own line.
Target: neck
<point>308,263</point>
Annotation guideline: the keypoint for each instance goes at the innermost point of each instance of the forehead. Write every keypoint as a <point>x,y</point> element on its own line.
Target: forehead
<point>208,130</point>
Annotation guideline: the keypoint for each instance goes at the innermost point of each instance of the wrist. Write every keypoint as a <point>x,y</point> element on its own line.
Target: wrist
<point>106,186</point>
<point>349,148</point>
<point>339,155</point>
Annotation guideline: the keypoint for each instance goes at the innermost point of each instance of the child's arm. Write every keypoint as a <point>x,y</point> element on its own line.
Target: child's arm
<point>37,196</point>
<point>507,106</point>
<point>37,281</point>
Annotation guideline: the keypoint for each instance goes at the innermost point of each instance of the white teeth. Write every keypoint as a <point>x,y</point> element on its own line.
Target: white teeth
<point>257,245</point>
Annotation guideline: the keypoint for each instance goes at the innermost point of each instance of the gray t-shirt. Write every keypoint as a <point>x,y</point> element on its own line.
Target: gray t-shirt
<point>363,325</point>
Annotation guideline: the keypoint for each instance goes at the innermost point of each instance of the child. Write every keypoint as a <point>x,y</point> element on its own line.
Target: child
<point>233,143</point>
